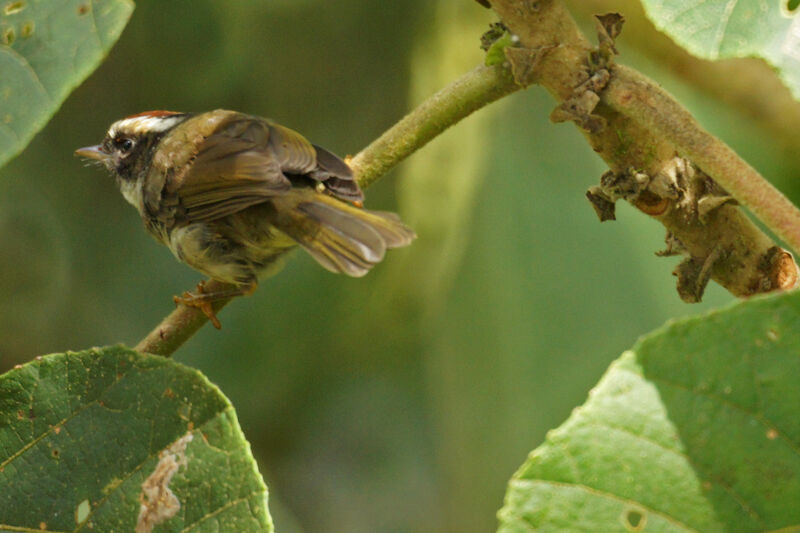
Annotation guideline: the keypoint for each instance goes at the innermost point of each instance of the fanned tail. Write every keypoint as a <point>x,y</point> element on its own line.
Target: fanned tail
<point>341,237</point>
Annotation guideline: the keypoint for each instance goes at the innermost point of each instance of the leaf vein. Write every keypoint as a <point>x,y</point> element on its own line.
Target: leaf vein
<point>608,495</point>
<point>723,27</point>
<point>756,416</point>
<point>24,62</point>
<point>221,509</point>
<point>739,499</point>
<point>138,467</point>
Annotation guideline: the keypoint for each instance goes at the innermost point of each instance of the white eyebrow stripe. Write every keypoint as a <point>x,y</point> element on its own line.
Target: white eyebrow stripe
<point>143,124</point>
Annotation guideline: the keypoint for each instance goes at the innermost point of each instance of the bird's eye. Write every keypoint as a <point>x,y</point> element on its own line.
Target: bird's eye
<point>123,144</point>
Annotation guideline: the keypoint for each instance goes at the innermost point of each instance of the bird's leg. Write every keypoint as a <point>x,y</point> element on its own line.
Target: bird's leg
<point>203,298</point>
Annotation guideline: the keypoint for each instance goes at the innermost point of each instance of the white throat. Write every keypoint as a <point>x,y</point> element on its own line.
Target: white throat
<point>132,191</point>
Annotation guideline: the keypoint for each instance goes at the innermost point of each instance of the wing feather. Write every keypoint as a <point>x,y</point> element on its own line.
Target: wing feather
<point>337,176</point>
<point>242,160</point>
<point>293,153</point>
<point>235,167</point>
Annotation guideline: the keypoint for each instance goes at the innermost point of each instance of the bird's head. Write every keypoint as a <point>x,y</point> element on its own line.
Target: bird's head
<point>128,147</point>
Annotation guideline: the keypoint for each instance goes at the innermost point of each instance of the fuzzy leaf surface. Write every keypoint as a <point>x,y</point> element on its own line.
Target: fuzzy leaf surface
<point>695,429</point>
<point>719,29</point>
<point>47,48</point>
<point>81,432</point>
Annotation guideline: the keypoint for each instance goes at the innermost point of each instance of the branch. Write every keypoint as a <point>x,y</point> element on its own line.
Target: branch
<point>470,92</point>
<point>636,96</point>
<point>180,325</point>
<point>747,85</point>
<point>661,160</point>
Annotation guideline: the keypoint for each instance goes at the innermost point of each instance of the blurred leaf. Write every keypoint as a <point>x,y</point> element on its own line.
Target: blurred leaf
<point>81,432</point>
<point>437,196</point>
<point>443,226</point>
<point>720,29</point>
<point>48,47</point>
<point>696,429</point>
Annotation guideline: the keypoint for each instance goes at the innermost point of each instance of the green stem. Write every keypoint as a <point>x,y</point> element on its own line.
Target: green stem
<point>472,91</point>
<point>180,325</point>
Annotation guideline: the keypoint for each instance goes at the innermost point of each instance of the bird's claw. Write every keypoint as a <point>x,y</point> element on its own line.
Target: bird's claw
<point>199,300</point>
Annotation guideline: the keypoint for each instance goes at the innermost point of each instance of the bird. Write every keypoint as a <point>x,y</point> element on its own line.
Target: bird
<point>231,193</point>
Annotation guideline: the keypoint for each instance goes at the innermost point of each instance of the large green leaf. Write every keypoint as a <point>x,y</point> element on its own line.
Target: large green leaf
<point>86,438</point>
<point>696,429</point>
<point>47,47</point>
<point>718,29</point>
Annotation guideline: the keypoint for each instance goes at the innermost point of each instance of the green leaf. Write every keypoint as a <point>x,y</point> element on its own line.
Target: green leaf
<point>47,48</point>
<point>695,429</point>
<point>80,433</point>
<point>719,29</point>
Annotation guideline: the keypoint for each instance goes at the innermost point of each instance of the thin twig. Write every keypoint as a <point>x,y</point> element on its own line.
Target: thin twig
<point>475,89</point>
<point>180,325</point>
<point>472,91</point>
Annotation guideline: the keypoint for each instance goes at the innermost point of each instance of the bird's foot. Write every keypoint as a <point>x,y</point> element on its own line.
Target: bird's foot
<point>203,298</point>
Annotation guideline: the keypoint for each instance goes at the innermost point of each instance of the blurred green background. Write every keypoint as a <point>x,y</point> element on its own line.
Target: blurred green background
<point>405,400</point>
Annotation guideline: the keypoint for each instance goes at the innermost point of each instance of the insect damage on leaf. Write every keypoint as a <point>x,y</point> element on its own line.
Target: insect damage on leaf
<point>82,512</point>
<point>12,8</point>
<point>634,520</point>
<point>159,503</point>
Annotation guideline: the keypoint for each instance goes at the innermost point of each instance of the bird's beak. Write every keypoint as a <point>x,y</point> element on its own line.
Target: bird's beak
<point>92,152</point>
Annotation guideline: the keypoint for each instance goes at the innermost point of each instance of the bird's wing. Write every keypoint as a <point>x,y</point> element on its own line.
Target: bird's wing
<point>245,161</point>
<point>296,156</point>
<point>336,175</point>
<point>234,167</point>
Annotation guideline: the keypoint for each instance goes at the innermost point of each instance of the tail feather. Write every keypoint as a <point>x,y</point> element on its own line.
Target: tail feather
<point>342,238</point>
<point>363,239</point>
<point>395,234</point>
